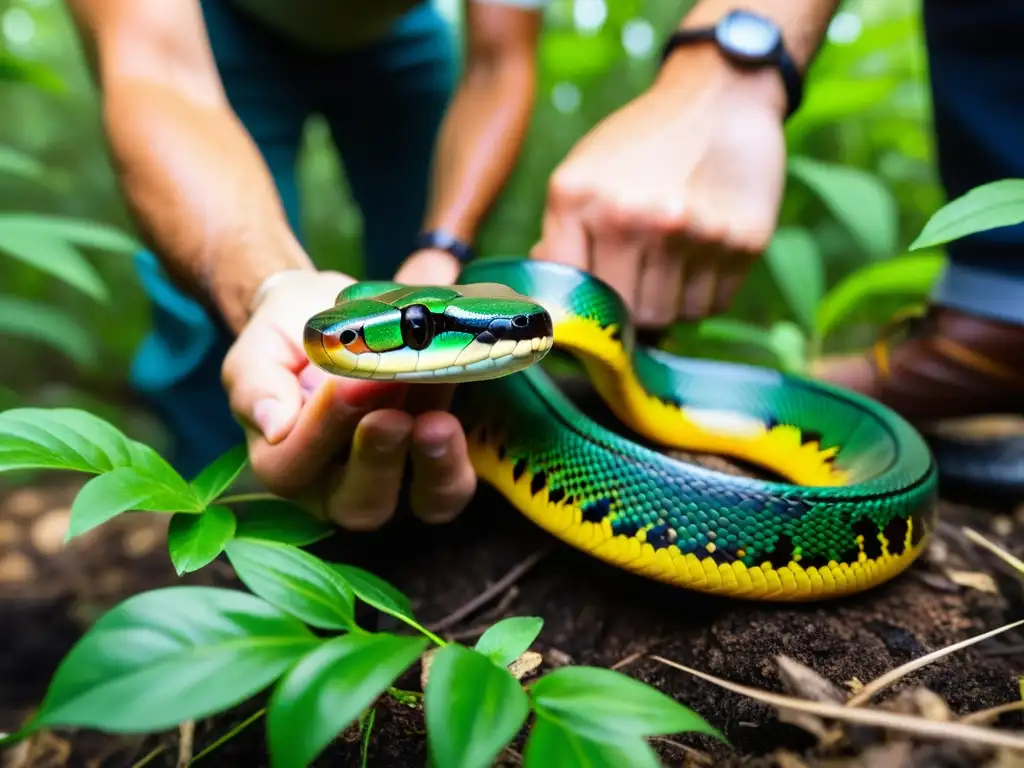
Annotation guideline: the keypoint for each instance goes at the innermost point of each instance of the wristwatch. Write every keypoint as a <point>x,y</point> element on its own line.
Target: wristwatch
<point>750,41</point>
<point>445,241</point>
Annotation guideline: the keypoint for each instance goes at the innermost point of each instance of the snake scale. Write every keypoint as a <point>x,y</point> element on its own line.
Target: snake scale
<point>855,504</point>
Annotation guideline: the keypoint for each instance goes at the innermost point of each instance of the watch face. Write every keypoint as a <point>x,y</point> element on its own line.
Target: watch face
<point>748,36</point>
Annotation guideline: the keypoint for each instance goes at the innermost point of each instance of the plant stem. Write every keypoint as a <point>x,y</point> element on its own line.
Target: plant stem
<point>150,756</point>
<point>367,730</point>
<point>241,498</point>
<point>229,735</point>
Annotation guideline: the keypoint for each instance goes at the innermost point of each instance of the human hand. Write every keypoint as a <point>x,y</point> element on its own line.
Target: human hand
<point>671,198</point>
<point>339,444</point>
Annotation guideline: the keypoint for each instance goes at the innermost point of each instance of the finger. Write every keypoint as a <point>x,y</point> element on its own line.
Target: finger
<point>699,290</point>
<point>659,289</point>
<point>563,239</point>
<point>424,398</point>
<point>444,480</point>
<point>323,430</point>
<point>730,279</point>
<point>366,494</point>
<point>616,259</point>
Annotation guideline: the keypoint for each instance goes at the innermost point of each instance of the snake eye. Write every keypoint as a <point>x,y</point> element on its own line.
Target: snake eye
<point>348,336</point>
<point>417,326</point>
<point>520,321</point>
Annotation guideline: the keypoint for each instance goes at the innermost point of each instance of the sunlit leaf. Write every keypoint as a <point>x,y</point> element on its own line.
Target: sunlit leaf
<point>170,655</point>
<point>473,708</point>
<point>857,198</point>
<point>281,521</point>
<point>329,688</point>
<point>49,326</point>
<point>830,100</point>
<point>598,703</point>
<point>569,56</point>
<point>91,234</point>
<point>125,489</point>
<point>55,256</point>
<point>789,344</point>
<point>506,641</point>
<point>195,540</point>
<point>551,743</point>
<point>795,264</point>
<point>218,476</point>
<point>989,206</point>
<point>912,275</point>
<point>295,581</point>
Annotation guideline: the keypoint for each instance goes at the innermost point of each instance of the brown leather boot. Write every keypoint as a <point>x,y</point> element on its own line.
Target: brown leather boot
<point>947,365</point>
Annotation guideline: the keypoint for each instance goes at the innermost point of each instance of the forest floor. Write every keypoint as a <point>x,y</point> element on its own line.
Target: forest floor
<point>593,615</point>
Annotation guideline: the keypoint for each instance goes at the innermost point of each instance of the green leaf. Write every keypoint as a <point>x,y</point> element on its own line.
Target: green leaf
<point>552,744</point>
<point>124,489</point>
<point>375,591</point>
<point>15,70</point>
<point>47,325</point>
<point>295,581</point>
<point>196,540</point>
<point>857,198</point>
<point>795,264</point>
<point>601,703</point>
<point>91,234</point>
<point>328,690</point>
<point>506,641</point>
<point>54,256</point>
<point>790,345</point>
<point>989,206</point>
<point>73,439</point>
<point>170,655</point>
<point>281,521</point>
<point>473,708</point>
<point>216,478</point>
<point>913,275</point>
<point>18,163</point>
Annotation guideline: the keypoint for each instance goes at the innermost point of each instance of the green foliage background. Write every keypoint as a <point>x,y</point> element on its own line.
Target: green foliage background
<point>866,111</point>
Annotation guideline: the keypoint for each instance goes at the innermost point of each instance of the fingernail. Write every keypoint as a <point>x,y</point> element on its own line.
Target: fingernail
<point>435,450</point>
<point>389,441</point>
<point>269,416</point>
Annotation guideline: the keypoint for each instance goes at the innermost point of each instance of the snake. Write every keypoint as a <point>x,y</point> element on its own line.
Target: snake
<point>848,499</point>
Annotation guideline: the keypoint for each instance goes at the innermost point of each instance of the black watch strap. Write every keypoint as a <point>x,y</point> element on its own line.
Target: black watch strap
<point>792,81</point>
<point>445,241</point>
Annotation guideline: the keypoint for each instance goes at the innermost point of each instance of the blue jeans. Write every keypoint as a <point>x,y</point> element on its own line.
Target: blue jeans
<point>384,104</point>
<point>977,74</point>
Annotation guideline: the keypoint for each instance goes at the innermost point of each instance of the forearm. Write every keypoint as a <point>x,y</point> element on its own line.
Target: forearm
<point>478,144</point>
<point>200,193</point>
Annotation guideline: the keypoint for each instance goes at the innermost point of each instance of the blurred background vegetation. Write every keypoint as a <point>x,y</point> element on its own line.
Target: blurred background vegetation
<point>861,185</point>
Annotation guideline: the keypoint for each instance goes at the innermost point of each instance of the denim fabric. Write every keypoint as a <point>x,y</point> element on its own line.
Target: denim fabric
<point>384,104</point>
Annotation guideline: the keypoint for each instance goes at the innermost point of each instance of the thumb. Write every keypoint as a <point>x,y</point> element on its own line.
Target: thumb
<point>261,377</point>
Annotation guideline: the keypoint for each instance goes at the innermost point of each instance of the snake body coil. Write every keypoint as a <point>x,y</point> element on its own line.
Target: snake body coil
<point>860,495</point>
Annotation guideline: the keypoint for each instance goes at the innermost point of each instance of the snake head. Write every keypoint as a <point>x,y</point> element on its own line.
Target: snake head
<point>430,334</point>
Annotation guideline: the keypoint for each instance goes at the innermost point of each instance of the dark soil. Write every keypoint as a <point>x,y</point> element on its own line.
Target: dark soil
<point>593,614</point>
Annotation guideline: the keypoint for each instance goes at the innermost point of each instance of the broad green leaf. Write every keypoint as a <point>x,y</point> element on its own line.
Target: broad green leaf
<point>170,655</point>
<point>329,688</point>
<point>196,540</point>
<point>295,581</point>
<point>790,345</point>
<point>857,198</point>
<point>17,70</point>
<point>829,101</point>
<point>989,206</point>
<point>73,439</point>
<point>125,489</point>
<point>17,163</point>
<point>473,708</point>
<point>724,330</point>
<point>551,744</point>
<point>907,275</point>
<point>48,253</point>
<point>375,591</point>
<point>91,234</point>
<point>599,703</point>
<point>281,521</point>
<point>47,325</point>
<point>506,641</point>
<point>216,478</point>
<point>795,264</point>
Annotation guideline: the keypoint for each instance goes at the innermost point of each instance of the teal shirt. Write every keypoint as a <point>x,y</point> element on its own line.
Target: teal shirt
<point>330,26</point>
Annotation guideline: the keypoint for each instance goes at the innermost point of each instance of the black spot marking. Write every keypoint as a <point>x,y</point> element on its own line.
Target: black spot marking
<point>771,423</point>
<point>895,533</point>
<point>502,452</point>
<point>814,561</point>
<point>810,436</point>
<point>659,537</point>
<point>872,546</point>
<point>538,482</point>
<point>555,495</point>
<point>519,469</point>
<point>483,434</point>
<point>616,335</point>
<point>919,527</point>
<point>596,511</point>
<point>782,553</point>
<point>486,338</point>
<point>722,555</point>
